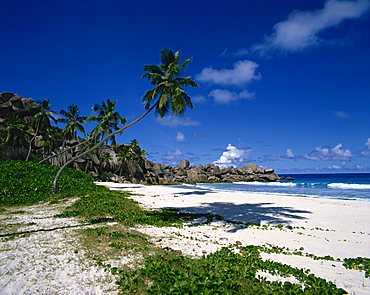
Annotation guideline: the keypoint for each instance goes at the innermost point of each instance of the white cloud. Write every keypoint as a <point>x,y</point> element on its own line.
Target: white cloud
<point>172,155</point>
<point>326,153</point>
<point>367,143</point>
<point>340,153</point>
<point>243,71</point>
<point>180,137</point>
<point>342,115</point>
<point>302,28</point>
<point>337,166</point>
<point>223,96</point>
<point>231,156</point>
<point>289,153</point>
<point>175,121</point>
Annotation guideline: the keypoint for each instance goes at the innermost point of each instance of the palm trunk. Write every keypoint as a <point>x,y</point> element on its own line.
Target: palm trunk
<point>30,145</point>
<point>55,182</point>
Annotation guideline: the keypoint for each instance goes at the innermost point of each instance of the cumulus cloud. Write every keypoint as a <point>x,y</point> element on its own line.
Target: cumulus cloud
<point>340,153</point>
<point>180,137</point>
<point>223,96</point>
<point>232,156</point>
<point>289,154</point>
<point>172,155</point>
<point>302,28</point>
<point>175,121</point>
<point>326,153</point>
<point>243,72</point>
<point>342,115</point>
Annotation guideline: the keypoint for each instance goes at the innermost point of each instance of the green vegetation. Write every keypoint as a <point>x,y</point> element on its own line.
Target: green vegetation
<point>234,270</point>
<point>24,183</point>
<point>108,120</point>
<point>106,205</point>
<point>113,243</point>
<point>223,272</point>
<point>359,263</point>
<point>41,121</point>
<point>73,122</point>
<point>279,250</point>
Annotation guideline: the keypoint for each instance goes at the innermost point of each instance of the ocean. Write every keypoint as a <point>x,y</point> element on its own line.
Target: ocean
<point>347,186</point>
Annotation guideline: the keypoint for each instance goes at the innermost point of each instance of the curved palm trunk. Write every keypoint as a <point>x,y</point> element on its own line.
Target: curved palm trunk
<point>30,144</point>
<point>63,151</point>
<point>55,182</point>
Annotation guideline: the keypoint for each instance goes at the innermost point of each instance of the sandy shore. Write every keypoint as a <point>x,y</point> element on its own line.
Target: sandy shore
<point>47,262</point>
<point>338,228</point>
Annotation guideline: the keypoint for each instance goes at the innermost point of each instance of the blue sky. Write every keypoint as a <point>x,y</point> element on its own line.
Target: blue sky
<point>285,84</point>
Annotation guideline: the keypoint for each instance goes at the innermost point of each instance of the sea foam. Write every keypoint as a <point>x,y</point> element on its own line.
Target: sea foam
<point>349,186</point>
<point>266,183</point>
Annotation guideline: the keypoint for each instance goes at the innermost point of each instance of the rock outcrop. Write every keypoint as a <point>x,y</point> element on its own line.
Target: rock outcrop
<point>155,173</point>
<point>12,104</point>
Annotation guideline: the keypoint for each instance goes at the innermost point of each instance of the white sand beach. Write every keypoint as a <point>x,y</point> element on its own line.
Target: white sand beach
<point>339,228</point>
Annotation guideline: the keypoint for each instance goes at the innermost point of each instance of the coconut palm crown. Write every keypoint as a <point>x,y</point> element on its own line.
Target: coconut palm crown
<point>168,84</point>
<point>108,119</point>
<point>73,122</point>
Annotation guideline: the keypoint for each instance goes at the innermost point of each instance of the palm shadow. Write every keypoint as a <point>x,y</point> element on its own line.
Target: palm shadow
<point>247,214</point>
<point>198,192</point>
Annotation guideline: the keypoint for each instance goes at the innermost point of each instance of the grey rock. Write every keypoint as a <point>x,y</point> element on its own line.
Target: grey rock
<point>183,164</point>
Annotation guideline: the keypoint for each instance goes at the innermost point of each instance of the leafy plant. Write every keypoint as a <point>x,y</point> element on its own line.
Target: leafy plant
<point>223,272</point>
<point>29,182</point>
<point>359,263</point>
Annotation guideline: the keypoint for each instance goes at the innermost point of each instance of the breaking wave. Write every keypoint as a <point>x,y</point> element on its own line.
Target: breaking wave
<point>349,186</point>
<point>266,183</point>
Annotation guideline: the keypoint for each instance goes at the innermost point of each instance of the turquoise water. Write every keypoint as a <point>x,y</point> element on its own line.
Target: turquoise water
<point>337,186</point>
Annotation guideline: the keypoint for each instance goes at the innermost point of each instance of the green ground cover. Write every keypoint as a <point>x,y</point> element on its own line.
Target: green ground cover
<point>162,271</point>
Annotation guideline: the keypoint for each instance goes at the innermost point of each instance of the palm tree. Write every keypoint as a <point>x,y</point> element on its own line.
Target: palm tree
<point>108,119</point>
<point>41,120</point>
<point>13,131</point>
<point>167,94</point>
<point>130,152</point>
<point>73,122</point>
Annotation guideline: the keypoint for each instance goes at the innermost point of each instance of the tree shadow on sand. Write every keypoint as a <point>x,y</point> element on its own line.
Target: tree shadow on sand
<point>245,214</point>
<point>198,192</point>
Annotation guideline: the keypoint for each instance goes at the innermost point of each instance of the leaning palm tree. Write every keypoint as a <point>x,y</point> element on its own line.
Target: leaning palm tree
<point>167,94</point>
<point>74,122</point>
<point>109,120</point>
<point>41,120</point>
